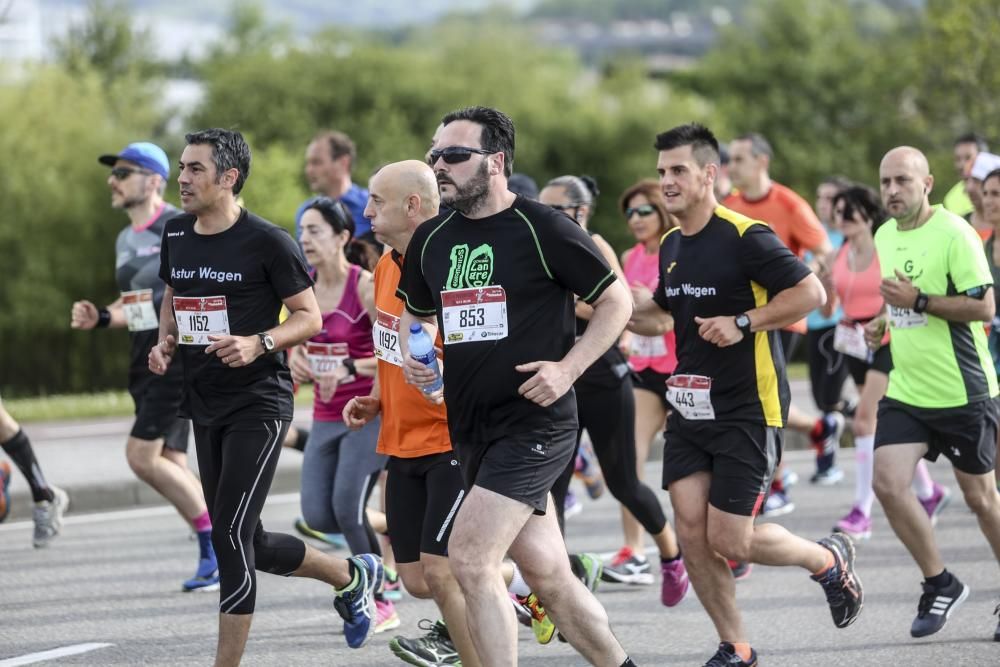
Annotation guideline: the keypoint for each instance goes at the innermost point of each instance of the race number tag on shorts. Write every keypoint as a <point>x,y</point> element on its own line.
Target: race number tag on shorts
<point>199,317</point>
<point>385,334</point>
<point>849,339</point>
<point>905,318</point>
<point>325,357</point>
<point>138,308</point>
<point>648,346</point>
<point>474,314</point>
<point>691,395</point>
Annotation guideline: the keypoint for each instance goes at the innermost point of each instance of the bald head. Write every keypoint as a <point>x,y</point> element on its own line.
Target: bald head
<point>909,158</point>
<point>906,182</point>
<point>401,196</point>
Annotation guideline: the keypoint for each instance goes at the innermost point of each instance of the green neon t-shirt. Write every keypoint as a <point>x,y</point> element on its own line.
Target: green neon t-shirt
<point>937,363</point>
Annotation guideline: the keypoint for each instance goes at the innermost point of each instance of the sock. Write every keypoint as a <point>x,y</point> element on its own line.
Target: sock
<point>202,523</point>
<point>830,562</point>
<point>817,430</point>
<point>628,663</point>
<point>517,584</point>
<point>742,649</point>
<point>355,578</point>
<point>19,450</point>
<point>922,482</point>
<point>671,560</point>
<point>205,550</point>
<point>864,496</point>
<point>301,439</point>
<point>940,581</point>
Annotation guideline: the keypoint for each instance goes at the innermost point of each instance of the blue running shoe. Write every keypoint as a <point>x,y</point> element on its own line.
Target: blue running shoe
<point>357,606</point>
<point>206,578</point>
<point>4,490</point>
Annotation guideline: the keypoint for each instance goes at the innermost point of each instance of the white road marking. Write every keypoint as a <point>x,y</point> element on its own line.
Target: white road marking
<point>53,654</point>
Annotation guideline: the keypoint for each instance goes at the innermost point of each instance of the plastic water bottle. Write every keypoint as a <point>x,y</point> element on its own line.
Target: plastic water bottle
<point>422,349</point>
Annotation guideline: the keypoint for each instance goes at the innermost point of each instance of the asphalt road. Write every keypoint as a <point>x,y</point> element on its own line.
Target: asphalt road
<point>110,587</point>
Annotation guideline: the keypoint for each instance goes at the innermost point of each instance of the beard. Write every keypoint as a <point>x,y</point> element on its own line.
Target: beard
<point>471,196</point>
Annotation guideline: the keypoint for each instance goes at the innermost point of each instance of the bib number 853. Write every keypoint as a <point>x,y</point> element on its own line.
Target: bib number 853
<point>472,317</point>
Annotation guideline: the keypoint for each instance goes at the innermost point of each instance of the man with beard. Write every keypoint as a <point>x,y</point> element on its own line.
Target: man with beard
<point>498,274</point>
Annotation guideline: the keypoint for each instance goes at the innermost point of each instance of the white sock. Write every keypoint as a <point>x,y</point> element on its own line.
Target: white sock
<point>864,451</point>
<point>517,583</point>
<point>922,482</point>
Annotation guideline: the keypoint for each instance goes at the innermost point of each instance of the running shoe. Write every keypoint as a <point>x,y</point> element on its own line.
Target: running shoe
<point>333,539</point>
<point>357,605</point>
<point>572,505</point>
<point>937,502</point>
<point>588,569</point>
<point>541,624</point>
<point>206,578</point>
<point>840,582</point>
<point>726,657</point>
<point>740,569</point>
<point>628,567</point>
<point>386,617</point>
<point>393,588</point>
<point>48,517</point>
<point>588,470</point>
<point>778,504</point>
<point>521,610</point>
<point>789,477</point>
<point>827,473</point>
<point>4,490</point>
<point>675,583</point>
<point>996,633</point>
<point>936,606</point>
<point>433,649</point>
<point>855,525</point>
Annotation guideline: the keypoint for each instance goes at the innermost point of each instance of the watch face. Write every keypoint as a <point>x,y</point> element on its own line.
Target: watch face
<point>742,321</point>
<point>268,342</point>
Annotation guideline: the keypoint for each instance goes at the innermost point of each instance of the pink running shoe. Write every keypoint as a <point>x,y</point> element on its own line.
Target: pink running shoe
<point>675,582</point>
<point>937,502</point>
<point>855,525</point>
<point>386,617</point>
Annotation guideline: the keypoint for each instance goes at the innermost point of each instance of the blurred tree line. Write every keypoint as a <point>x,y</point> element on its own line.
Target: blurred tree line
<point>833,85</point>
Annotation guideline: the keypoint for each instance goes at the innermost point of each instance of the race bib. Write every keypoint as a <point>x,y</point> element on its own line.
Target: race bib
<point>905,318</point>
<point>139,312</point>
<point>849,339</point>
<point>648,346</point>
<point>474,314</point>
<point>199,317</point>
<point>691,396</point>
<point>325,357</point>
<point>385,334</point>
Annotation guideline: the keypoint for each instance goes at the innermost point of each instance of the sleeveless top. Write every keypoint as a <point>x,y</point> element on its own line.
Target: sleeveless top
<point>656,352</point>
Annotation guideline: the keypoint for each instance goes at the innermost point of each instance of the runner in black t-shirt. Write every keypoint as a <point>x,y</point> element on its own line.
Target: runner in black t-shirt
<point>228,273</point>
<point>498,273</point>
<point>730,284</point>
<point>157,445</point>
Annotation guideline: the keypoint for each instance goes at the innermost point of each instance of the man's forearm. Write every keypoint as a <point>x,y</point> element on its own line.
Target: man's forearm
<point>962,308</point>
<point>648,319</point>
<point>168,325</point>
<point>298,328</point>
<point>789,306</point>
<point>611,314</point>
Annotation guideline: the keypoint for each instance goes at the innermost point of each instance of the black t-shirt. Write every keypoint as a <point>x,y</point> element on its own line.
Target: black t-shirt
<point>254,265</point>
<point>734,264</point>
<point>541,259</point>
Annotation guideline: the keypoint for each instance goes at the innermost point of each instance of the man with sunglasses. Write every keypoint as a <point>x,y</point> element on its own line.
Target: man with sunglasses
<point>157,444</point>
<point>498,274</point>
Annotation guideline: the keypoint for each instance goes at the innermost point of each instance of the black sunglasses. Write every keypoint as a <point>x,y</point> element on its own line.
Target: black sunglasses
<point>121,173</point>
<point>564,207</point>
<point>644,210</point>
<point>455,154</point>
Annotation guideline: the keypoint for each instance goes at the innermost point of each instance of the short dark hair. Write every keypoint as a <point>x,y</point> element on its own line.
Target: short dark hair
<point>497,134</point>
<point>973,138</point>
<point>704,145</point>
<point>340,144</point>
<point>229,151</point>
<point>759,145</point>
<point>864,199</point>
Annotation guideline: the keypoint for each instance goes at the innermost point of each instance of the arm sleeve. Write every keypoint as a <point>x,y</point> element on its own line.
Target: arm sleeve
<point>808,230</point>
<point>572,258</point>
<point>967,263</point>
<point>413,288</point>
<point>287,268</point>
<point>768,262</point>
<point>165,256</point>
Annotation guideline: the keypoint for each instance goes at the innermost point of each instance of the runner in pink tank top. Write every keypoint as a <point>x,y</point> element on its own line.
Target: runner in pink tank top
<point>656,352</point>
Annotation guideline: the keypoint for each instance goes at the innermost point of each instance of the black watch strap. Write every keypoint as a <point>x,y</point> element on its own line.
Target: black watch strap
<point>743,323</point>
<point>349,365</point>
<point>920,305</point>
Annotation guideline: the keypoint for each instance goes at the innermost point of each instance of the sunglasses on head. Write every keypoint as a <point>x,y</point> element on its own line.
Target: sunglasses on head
<point>455,154</point>
<point>644,210</point>
<point>121,173</point>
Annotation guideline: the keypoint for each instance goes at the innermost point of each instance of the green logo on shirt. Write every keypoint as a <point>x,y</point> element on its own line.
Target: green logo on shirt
<point>470,269</point>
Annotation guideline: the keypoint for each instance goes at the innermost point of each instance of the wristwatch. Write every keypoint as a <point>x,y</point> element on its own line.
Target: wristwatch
<point>920,305</point>
<point>743,323</point>
<point>349,365</point>
<point>267,342</point>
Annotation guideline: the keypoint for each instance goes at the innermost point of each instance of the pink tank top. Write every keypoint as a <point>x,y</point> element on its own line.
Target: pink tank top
<point>347,323</point>
<point>656,352</point>
<point>858,292</point>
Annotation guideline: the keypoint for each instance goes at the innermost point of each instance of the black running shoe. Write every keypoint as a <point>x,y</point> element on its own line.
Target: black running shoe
<point>996,633</point>
<point>936,606</point>
<point>841,584</point>
<point>435,648</point>
<point>726,657</point>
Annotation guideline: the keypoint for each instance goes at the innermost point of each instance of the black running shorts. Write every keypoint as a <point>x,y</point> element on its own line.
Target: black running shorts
<point>422,497</point>
<point>966,435</point>
<point>157,401</point>
<point>741,457</point>
<point>881,362</point>
<point>653,381</point>
<point>522,467</point>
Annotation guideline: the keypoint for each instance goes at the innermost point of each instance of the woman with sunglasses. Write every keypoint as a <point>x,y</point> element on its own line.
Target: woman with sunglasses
<point>651,358</point>
<point>340,466</point>
<point>606,406</point>
<point>853,282</point>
